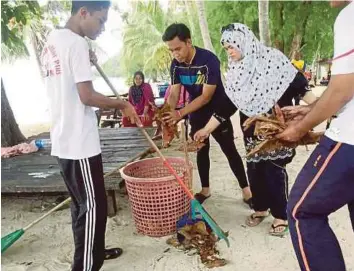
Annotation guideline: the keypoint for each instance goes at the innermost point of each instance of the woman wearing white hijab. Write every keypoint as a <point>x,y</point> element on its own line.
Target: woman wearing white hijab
<point>258,77</point>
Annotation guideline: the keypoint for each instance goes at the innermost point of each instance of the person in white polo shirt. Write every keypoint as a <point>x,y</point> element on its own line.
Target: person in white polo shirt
<point>74,131</point>
<point>326,182</point>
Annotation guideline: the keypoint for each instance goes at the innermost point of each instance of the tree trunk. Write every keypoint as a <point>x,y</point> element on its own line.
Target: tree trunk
<point>37,52</point>
<point>204,26</point>
<point>278,34</point>
<point>295,45</point>
<point>188,6</point>
<point>10,132</point>
<point>305,11</point>
<point>263,18</point>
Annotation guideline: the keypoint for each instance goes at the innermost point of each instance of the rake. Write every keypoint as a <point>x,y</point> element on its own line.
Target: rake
<point>11,238</point>
<point>195,205</point>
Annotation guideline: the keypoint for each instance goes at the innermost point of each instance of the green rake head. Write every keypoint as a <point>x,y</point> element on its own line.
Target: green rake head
<point>11,238</point>
<point>198,208</point>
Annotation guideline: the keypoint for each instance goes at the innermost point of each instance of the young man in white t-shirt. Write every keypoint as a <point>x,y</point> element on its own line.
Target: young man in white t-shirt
<point>326,182</point>
<point>74,132</point>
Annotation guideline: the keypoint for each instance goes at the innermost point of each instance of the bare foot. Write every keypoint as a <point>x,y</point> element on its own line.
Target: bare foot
<point>205,191</point>
<point>246,193</point>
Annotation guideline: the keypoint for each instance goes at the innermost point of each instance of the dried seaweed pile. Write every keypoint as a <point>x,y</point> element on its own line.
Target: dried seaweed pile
<point>198,239</point>
<point>168,132</point>
<point>268,126</point>
<point>192,146</point>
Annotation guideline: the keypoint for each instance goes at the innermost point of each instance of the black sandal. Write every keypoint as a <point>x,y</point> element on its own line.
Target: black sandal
<point>279,233</point>
<point>200,197</point>
<point>112,253</point>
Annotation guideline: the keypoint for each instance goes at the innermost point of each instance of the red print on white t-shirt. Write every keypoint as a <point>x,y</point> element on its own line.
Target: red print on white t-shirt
<point>50,62</point>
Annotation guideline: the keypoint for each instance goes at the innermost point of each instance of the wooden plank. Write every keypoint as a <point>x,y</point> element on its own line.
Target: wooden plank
<point>39,172</point>
<point>130,131</point>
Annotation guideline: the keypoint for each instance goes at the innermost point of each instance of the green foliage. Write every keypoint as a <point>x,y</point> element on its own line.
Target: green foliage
<point>56,11</point>
<point>143,47</point>
<point>221,13</point>
<point>312,20</point>
<point>23,21</point>
<point>15,16</point>
<point>319,31</point>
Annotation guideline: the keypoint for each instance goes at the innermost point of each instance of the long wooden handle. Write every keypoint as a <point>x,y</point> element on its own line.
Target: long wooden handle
<point>152,143</point>
<point>99,69</point>
<point>47,214</point>
<point>69,199</point>
<point>186,155</point>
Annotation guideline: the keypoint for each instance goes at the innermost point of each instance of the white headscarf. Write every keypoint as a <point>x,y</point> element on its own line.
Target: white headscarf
<point>257,81</point>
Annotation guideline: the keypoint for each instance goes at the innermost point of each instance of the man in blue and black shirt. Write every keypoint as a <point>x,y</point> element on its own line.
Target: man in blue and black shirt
<point>198,70</point>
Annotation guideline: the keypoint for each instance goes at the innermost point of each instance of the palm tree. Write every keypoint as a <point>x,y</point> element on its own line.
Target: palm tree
<point>15,16</point>
<point>203,23</point>
<point>263,15</point>
<point>142,39</point>
<point>37,31</point>
<point>21,21</point>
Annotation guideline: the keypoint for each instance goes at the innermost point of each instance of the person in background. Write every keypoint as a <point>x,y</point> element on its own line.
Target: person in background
<point>74,134</point>
<point>140,95</point>
<point>299,64</point>
<point>308,75</point>
<point>326,182</point>
<point>329,75</point>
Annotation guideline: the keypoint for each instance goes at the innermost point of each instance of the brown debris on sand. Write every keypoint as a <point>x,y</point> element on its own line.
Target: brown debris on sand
<point>198,239</point>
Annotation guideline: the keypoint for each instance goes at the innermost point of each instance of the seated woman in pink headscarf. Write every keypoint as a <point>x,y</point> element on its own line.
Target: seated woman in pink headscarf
<point>141,97</point>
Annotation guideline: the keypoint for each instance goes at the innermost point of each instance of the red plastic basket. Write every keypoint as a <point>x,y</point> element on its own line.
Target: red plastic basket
<point>157,200</point>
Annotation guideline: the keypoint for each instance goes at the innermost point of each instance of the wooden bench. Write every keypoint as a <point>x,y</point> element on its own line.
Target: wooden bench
<point>39,172</point>
<point>112,117</point>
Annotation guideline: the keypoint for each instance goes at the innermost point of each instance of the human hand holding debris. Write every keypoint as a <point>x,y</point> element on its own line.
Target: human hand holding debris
<point>295,112</point>
<point>172,117</point>
<point>292,133</point>
<point>201,135</point>
<point>168,131</point>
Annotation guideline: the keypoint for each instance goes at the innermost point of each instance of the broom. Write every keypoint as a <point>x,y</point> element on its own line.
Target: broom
<point>11,238</point>
<point>195,205</point>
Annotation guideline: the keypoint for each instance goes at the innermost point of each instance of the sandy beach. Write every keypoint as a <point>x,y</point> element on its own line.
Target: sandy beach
<point>49,245</point>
